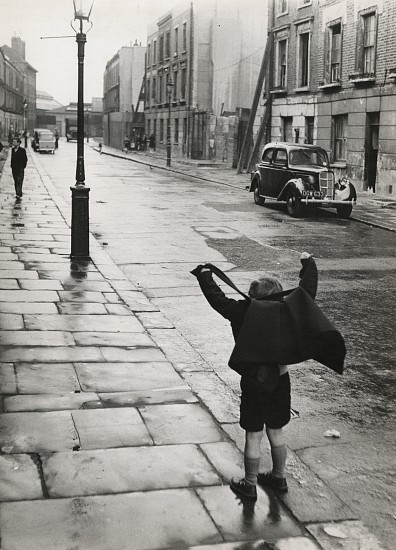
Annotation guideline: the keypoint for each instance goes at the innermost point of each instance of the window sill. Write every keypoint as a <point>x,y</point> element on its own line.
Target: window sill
<point>279,91</point>
<point>338,164</point>
<point>303,89</point>
<point>362,79</point>
<point>329,86</point>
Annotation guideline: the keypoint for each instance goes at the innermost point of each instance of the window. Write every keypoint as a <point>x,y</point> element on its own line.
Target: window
<point>281,64</point>
<point>332,54</point>
<point>167,44</point>
<point>366,44</point>
<point>175,86</point>
<point>148,91</point>
<point>160,89</point>
<point>154,52</point>
<point>184,37</point>
<point>149,54</point>
<point>280,157</point>
<point>369,43</point>
<point>303,59</point>
<point>183,84</point>
<point>340,123</point>
<point>309,129</point>
<point>184,131</point>
<point>280,7</point>
<point>161,48</point>
<point>287,128</point>
<point>176,134</point>
<point>148,128</point>
<point>154,90</point>
<point>161,136</point>
<point>267,156</point>
<point>176,40</point>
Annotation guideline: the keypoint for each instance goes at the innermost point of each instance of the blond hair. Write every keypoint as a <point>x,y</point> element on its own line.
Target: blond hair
<point>264,286</point>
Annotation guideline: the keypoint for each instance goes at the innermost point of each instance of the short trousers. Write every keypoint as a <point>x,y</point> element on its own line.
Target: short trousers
<point>258,408</point>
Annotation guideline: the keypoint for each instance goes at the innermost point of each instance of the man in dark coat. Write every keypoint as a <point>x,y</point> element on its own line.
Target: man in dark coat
<point>18,165</point>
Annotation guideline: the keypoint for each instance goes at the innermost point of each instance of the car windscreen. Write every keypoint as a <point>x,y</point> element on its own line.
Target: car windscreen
<point>308,157</point>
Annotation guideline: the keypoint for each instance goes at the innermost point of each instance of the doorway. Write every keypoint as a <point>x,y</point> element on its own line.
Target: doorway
<point>371,150</point>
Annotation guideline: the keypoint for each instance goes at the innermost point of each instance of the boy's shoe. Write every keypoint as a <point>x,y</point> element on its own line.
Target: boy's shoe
<point>243,489</point>
<point>267,479</point>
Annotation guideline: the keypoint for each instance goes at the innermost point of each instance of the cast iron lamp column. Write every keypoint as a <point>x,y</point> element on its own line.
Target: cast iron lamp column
<point>80,193</point>
<point>169,88</point>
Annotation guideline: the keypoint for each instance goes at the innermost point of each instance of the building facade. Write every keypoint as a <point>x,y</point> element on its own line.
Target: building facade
<point>17,89</point>
<point>122,88</point>
<point>333,83</point>
<point>210,52</point>
<point>65,116</point>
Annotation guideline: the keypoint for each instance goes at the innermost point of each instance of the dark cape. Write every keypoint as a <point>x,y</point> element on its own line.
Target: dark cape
<point>287,331</point>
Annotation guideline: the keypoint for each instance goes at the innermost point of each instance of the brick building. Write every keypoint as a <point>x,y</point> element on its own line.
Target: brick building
<point>122,86</point>
<point>212,51</point>
<point>333,82</point>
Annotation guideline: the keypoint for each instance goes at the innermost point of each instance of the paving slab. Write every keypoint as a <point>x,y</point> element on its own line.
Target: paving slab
<point>10,321</point>
<point>40,284</point>
<point>37,432</point>
<point>14,274</point>
<point>180,423</point>
<point>248,520</point>
<point>11,264</point>
<point>28,308</point>
<point>113,471</point>
<point>182,394</point>
<point>109,428</point>
<point>74,308</point>
<point>83,323</point>
<point>124,377</point>
<point>50,402</point>
<point>36,338</point>
<point>293,543</point>
<point>117,309</point>
<point>131,340</point>
<point>132,355</point>
<point>81,296</point>
<point>110,521</point>
<point>7,379</point>
<point>154,320</point>
<point>9,284</point>
<point>28,296</point>
<point>137,301</point>
<point>20,478</point>
<point>226,459</point>
<point>33,354</point>
<point>346,535</point>
<point>87,286</point>
<point>43,378</point>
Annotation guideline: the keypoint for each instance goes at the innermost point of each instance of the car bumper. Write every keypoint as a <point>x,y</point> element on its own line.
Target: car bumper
<point>326,202</point>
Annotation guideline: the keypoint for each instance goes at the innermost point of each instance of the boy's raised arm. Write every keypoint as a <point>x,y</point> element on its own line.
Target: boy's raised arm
<point>308,274</point>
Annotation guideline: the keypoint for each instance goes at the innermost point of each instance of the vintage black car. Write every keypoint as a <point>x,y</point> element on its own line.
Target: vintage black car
<point>300,175</point>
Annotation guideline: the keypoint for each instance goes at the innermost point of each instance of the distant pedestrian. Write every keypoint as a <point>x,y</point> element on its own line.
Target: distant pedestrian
<point>126,144</point>
<point>10,137</point>
<point>138,143</point>
<point>151,143</point>
<point>56,136</point>
<point>18,165</point>
<point>25,136</point>
<point>144,142</point>
<point>256,323</point>
<point>100,148</point>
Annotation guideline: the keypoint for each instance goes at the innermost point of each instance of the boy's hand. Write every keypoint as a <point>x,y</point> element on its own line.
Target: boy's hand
<point>199,270</point>
<point>305,256</point>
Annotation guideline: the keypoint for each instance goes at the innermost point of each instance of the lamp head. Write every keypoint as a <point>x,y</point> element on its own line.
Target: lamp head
<point>82,13</point>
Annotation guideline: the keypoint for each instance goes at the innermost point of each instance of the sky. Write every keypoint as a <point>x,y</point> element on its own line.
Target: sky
<point>116,23</point>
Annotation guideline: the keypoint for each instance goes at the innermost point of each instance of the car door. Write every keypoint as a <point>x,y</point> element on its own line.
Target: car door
<point>280,172</point>
<point>266,171</point>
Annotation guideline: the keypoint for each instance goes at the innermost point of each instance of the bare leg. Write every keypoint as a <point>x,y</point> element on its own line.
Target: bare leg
<point>278,451</point>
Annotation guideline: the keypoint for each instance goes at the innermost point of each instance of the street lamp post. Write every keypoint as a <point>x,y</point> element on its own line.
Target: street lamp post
<point>169,88</point>
<point>80,193</point>
<point>25,105</point>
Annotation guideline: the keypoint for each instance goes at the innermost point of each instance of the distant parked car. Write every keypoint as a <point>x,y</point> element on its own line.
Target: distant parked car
<point>300,175</point>
<point>43,141</point>
<point>71,133</point>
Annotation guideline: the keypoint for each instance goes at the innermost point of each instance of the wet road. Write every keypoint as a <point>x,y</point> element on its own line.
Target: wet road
<point>158,227</point>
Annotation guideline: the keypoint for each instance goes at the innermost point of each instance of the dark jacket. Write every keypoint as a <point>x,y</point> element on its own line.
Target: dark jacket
<point>277,329</point>
<point>18,159</point>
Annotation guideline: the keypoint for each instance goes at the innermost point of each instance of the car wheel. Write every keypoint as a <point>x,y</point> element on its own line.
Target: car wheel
<point>293,205</point>
<point>257,199</point>
<point>344,210</point>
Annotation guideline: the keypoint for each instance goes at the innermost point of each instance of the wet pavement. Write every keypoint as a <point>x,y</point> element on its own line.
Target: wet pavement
<point>105,440</point>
